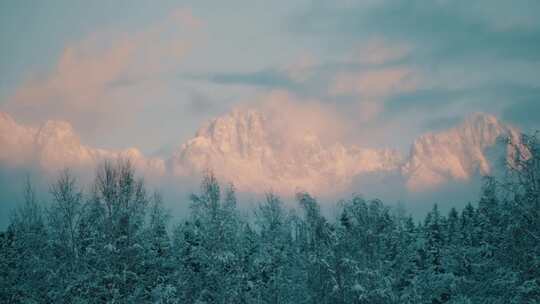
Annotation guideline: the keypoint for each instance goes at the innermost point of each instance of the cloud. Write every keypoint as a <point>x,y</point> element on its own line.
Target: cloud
<point>358,83</point>
<point>279,143</point>
<point>374,71</point>
<point>263,78</point>
<point>185,17</point>
<point>101,82</point>
<point>456,28</point>
<point>371,88</point>
<point>295,118</point>
<point>469,56</point>
<point>302,69</point>
<point>377,83</point>
<point>292,77</point>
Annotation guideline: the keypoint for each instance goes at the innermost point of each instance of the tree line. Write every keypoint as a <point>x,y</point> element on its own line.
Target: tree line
<point>116,244</point>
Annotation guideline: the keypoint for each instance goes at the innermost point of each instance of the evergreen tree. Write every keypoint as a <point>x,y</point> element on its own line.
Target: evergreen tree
<point>112,244</point>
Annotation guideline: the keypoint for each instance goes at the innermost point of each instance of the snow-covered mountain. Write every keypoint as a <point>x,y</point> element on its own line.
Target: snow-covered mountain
<point>458,153</point>
<point>15,141</point>
<point>55,145</point>
<point>261,150</point>
<point>242,147</point>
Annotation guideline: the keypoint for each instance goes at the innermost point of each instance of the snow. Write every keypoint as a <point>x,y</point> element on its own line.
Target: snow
<point>454,154</point>
<point>243,148</point>
<point>251,148</point>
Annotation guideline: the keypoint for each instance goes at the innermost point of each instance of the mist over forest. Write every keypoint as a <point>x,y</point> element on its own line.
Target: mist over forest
<point>115,242</point>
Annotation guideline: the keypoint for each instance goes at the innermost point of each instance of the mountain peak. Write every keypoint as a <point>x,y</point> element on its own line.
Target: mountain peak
<point>271,147</point>
<point>479,118</point>
<point>5,116</point>
<point>251,148</point>
<point>16,141</point>
<point>455,154</point>
<point>55,132</point>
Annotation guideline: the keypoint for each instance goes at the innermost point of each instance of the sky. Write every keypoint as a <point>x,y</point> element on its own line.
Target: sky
<point>407,63</point>
<point>149,75</point>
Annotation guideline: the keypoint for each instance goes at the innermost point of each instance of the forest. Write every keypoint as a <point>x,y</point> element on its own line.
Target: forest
<point>117,243</point>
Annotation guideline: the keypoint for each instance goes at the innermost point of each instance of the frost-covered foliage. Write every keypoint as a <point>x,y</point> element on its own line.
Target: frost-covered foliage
<point>114,244</point>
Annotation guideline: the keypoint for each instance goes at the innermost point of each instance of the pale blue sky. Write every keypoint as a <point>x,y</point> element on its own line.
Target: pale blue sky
<point>454,57</point>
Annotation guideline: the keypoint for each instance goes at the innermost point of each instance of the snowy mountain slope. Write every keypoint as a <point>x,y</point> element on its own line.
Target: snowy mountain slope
<point>457,153</point>
<point>240,147</point>
<point>243,148</point>
<point>55,145</point>
<point>15,141</point>
<point>259,151</point>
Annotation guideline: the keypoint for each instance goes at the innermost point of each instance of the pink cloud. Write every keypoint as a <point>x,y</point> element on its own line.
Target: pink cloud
<point>302,68</point>
<point>372,87</point>
<point>284,143</point>
<point>297,117</point>
<point>376,83</point>
<point>185,17</point>
<point>101,80</point>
